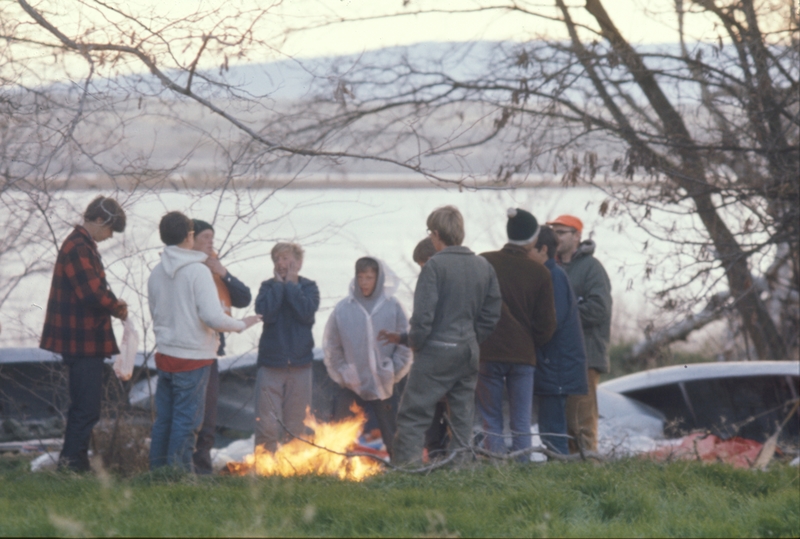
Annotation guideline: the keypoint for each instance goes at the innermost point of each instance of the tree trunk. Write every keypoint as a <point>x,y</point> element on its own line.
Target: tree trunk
<point>691,177</point>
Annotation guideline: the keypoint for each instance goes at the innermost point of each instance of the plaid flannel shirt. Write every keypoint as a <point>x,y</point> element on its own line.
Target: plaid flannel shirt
<point>78,318</point>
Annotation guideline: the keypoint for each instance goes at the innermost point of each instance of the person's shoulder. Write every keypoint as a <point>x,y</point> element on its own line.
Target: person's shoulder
<point>343,303</point>
<point>591,263</point>
<point>558,275</point>
<point>198,268</point>
<point>305,281</point>
<point>75,240</point>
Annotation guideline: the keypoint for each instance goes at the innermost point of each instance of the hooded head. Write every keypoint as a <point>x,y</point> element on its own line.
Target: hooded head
<point>368,282</point>
<point>386,282</point>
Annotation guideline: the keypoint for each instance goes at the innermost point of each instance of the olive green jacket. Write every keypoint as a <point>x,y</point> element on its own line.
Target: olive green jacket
<point>592,289</point>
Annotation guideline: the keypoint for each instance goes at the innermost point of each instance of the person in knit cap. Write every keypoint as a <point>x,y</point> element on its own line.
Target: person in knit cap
<point>527,321</point>
<point>232,293</point>
<point>365,369</point>
<point>592,289</point>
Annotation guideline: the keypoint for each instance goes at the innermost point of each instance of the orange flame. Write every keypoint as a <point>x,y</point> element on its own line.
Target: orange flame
<point>300,458</point>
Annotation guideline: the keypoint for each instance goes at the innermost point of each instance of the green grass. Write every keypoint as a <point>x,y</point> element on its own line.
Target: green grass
<point>625,498</point>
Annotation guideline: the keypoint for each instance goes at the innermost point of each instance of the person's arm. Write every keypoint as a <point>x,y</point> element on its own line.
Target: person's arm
<point>208,306</point>
<point>240,292</point>
<point>426,296</point>
<point>303,298</point>
<point>269,300</point>
<point>401,356</point>
<point>562,293</point>
<point>595,305</point>
<point>489,314</point>
<point>337,366</point>
<point>543,317</point>
<point>89,286</point>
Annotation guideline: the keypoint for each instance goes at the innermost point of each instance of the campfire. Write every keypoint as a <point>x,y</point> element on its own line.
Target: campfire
<point>298,457</point>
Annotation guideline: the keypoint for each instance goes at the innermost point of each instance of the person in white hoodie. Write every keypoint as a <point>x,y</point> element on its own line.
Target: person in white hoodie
<point>187,316</point>
<point>365,369</point>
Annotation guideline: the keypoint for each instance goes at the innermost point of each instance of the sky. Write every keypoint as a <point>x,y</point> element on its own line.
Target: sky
<point>331,27</point>
<point>641,21</point>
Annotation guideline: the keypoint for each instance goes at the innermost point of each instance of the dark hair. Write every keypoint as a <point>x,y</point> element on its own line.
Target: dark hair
<point>366,263</point>
<point>424,251</point>
<point>547,238</point>
<point>201,226</point>
<point>175,227</point>
<point>108,210</point>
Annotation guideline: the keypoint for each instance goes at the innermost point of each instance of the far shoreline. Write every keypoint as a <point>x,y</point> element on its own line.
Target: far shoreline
<point>319,182</point>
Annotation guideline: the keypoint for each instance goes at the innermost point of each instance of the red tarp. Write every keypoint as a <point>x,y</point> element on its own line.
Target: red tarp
<point>739,452</point>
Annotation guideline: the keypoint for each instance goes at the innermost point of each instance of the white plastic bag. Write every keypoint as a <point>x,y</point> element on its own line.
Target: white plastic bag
<point>123,363</point>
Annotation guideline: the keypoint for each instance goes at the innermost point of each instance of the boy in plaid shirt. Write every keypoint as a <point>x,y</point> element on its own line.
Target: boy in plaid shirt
<point>77,324</point>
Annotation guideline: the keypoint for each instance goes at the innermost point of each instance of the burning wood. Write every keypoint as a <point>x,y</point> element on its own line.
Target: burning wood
<point>325,457</point>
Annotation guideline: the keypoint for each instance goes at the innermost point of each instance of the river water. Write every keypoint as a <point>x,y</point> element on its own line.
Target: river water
<point>336,226</point>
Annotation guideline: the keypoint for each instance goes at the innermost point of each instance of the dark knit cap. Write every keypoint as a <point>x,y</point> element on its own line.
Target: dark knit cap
<point>200,226</point>
<point>522,227</point>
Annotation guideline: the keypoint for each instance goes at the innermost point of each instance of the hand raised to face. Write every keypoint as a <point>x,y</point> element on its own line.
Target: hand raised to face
<point>292,275</point>
<point>216,266</point>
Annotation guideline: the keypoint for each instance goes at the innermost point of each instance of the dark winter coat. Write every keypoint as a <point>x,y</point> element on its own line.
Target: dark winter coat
<point>592,289</point>
<point>288,310</point>
<point>240,298</point>
<point>528,315</point>
<point>78,317</point>
<point>561,363</point>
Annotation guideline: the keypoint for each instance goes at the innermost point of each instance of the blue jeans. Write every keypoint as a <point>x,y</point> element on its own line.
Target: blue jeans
<point>518,379</point>
<point>180,403</point>
<point>553,420</point>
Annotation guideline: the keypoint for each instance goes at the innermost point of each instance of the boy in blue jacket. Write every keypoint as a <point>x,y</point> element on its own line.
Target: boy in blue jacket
<point>288,303</point>
<point>561,362</point>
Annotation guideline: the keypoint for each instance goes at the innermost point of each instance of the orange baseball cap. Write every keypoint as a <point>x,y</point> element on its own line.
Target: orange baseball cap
<point>567,220</point>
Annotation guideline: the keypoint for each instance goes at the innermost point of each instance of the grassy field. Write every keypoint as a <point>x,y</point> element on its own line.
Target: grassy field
<point>625,498</point>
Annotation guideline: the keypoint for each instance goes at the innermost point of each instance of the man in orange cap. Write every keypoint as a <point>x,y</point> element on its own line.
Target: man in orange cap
<point>592,288</point>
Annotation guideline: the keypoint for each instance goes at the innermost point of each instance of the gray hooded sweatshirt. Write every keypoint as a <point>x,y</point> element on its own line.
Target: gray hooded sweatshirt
<point>185,307</point>
<point>353,356</point>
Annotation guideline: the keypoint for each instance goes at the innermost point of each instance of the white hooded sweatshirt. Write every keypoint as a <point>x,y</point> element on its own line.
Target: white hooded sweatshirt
<point>353,356</point>
<point>185,307</point>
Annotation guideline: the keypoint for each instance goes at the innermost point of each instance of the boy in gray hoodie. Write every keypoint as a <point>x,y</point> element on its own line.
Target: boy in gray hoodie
<point>186,316</point>
<point>365,369</point>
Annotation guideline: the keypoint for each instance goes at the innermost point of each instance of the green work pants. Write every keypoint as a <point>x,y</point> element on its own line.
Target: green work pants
<point>439,370</point>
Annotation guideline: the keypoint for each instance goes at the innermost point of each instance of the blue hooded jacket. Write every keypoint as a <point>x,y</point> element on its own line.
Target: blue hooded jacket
<point>561,362</point>
<point>288,310</point>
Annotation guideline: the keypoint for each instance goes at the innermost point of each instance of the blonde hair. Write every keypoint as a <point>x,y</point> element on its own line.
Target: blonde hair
<point>295,249</point>
<point>449,223</point>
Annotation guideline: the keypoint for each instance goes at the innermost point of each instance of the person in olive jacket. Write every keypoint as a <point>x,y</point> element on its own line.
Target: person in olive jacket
<point>527,320</point>
<point>561,362</point>
<point>592,289</point>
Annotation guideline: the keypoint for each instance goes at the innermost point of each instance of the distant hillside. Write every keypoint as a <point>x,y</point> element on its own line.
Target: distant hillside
<point>283,100</point>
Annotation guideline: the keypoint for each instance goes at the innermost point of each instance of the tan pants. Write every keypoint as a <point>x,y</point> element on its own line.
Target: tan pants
<point>281,394</point>
<point>582,416</point>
